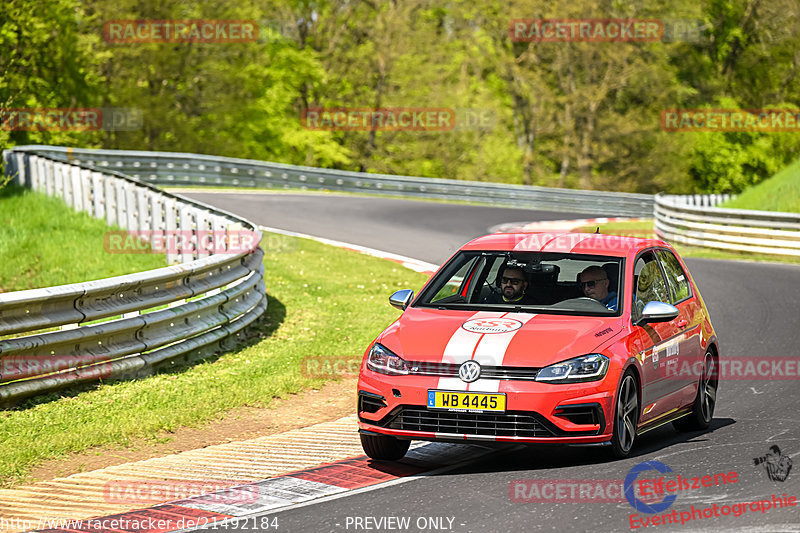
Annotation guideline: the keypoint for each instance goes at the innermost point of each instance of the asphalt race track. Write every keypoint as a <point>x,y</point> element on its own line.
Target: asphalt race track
<point>755,312</point>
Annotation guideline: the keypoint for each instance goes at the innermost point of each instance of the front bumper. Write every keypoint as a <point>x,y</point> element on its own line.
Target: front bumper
<point>535,412</point>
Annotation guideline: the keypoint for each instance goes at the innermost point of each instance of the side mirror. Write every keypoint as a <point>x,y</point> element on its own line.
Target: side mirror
<point>658,312</point>
<point>401,299</point>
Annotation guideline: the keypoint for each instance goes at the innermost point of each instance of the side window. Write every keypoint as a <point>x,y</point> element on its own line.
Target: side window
<point>451,290</point>
<point>676,277</point>
<point>650,284</point>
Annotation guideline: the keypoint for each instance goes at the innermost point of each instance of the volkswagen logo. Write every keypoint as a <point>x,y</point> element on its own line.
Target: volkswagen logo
<point>469,371</point>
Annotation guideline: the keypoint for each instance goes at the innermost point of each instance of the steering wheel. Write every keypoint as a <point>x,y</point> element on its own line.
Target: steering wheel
<point>580,299</point>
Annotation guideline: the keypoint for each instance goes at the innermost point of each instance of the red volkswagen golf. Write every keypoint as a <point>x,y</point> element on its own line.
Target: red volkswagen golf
<point>542,338</point>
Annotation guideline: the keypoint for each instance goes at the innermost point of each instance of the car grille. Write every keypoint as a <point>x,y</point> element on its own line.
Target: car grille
<point>370,403</point>
<point>488,372</point>
<point>486,424</point>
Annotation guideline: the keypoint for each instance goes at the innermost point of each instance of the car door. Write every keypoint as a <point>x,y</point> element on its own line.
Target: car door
<point>657,344</point>
<point>690,347</point>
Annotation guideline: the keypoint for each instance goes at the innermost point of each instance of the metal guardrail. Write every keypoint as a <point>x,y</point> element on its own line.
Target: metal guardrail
<point>179,169</point>
<point>126,326</point>
<point>702,200</point>
<point>679,219</point>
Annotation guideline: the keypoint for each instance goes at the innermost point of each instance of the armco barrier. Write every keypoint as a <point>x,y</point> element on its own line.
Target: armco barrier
<point>159,317</point>
<point>680,219</point>
<point>177,169</point>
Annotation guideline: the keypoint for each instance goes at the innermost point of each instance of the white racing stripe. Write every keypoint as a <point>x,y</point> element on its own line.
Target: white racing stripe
<point>486,348</point>
<point>492,350</point>
<point>460,348</point>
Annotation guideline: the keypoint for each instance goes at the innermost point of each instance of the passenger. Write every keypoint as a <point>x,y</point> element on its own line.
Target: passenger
<point>513,284</point>
<point>594,283</point>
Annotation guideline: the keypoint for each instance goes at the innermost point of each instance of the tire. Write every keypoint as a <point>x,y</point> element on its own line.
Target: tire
<point>384,447</point>
<point>626,416</point>
<point>705,401</point>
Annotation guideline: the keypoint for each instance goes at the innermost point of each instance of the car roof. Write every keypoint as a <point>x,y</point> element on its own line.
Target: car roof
<point>560,242</point>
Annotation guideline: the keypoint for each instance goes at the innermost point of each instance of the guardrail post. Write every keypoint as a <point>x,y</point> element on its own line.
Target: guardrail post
<point>156,212</point>
<point>188,234</point>
<point>77,188</point>
<point>204,236</point>
<point>65,172</point>
<point>50,183</point>
<point>62,184</point>
<point>143,204</point>
<point>86,186</point>
<point>170,229</point>
<point>219,226</point>
<point>156,219</point>
<point>22,166</point>
<point>120,203</point>
<point>35,172</point>
<point>110,200</point>
<point>26,168</point>
<point>97,209</point>
<point>12,171</point>
<point>131,215</point>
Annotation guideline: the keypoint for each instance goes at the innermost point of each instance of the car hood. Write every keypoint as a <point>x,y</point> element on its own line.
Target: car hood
<point>496,338</point>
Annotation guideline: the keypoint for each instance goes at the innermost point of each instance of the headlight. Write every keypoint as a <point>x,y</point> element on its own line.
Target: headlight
<point>590,367</point>
<point>383,361</point>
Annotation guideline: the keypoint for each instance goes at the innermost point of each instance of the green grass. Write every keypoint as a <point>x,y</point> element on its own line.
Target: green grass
<point>43,242</point>
<point>645,230</point>
<point>322,301</point>
<point>781,192</point>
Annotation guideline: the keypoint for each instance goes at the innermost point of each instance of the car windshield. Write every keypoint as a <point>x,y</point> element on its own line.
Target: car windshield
<point>540,282</point>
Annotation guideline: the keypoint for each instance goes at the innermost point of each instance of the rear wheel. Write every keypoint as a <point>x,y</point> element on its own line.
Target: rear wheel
<point>626,416</point>
<point>384,447</point>
<point>705,401</point>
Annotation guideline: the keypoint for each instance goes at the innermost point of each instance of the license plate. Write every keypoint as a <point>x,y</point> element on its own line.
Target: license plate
<point>466,401</point>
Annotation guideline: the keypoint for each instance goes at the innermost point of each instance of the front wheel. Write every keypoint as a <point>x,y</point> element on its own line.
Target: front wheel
<point>705,401</point>
<point>626,416</point>
<point>384,447</point>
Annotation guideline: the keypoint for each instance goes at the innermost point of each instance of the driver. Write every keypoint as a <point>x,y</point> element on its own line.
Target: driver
<point>594,283</point>
<point>513,284</point>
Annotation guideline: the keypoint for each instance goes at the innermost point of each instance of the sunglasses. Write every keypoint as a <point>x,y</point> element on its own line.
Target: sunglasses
<point>591,283</point>
<point>513,281</point>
